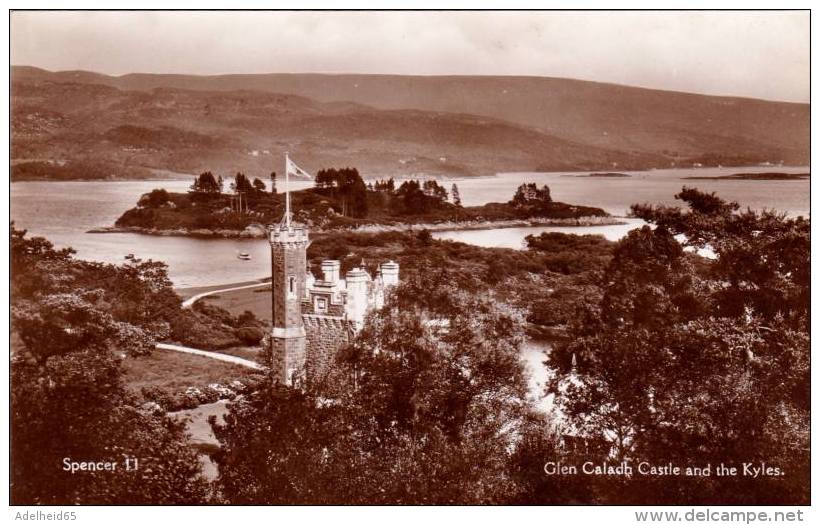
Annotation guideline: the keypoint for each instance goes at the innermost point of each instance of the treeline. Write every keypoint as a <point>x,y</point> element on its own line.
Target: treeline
<point>75,170</point>
<point>206,184</point>
<point>415,197</point>
<point>347,186</point>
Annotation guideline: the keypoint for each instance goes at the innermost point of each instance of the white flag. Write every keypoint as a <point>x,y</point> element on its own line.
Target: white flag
<point>296,171</point>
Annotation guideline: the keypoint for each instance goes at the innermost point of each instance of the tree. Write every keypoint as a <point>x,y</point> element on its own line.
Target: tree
<point>413,199</point>
<point>72,321</point>
<point>241,184</point>
<point>325,178</point>
<point>73,405</point>
<point>456,195</point>
<point>273,182</point>
<point>696,360</point>
<point>431,188</point>
<point>347,185</point>
<point>155,199</point>
<point>529,195</point>
<point>357,197</point>
<point>387,186</point>
<point>424,407</point>
<point>259,185</point>
<point>206,183</point>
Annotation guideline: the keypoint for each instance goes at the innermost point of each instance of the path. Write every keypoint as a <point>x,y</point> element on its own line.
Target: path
<point>211,355</point>
<point>187,303</point>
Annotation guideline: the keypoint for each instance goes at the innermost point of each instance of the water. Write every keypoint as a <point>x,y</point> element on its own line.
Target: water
<point>65,211</point>
<point>616,194</point>
<point>514,237</point>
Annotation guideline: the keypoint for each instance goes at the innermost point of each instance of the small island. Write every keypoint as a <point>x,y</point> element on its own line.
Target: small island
<point>339,201</point>
<point>755,176</point>
<point>608,175</point>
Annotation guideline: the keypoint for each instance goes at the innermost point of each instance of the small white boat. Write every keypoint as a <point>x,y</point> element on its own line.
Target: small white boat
<point>244,256</point>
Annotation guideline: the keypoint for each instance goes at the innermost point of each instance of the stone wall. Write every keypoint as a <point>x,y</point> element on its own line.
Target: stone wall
<point>289,357</point>
<point>326,335</point>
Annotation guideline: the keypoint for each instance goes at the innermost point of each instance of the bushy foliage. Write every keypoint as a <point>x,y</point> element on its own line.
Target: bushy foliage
<point>155,199</point>
<point>259,185</point>
<point>699,361</point>
<point>209,327</point>
<point>74,321</point>
<point>530,195</point>
<point>418,198</point>
<point>424,407</point>
<point>206,184</point>
<point>386,186</point>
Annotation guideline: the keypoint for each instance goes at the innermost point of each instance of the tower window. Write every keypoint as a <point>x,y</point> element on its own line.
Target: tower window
<point>291,285</point>
<point>321,304</point>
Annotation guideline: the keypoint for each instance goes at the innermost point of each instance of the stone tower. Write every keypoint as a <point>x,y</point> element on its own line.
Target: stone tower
<point>289,242</point>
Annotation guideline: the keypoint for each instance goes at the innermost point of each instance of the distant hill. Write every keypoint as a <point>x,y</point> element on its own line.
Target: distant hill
<point>388,124</point>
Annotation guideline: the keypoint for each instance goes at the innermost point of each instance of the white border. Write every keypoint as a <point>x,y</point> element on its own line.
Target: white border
<point>360,515</point>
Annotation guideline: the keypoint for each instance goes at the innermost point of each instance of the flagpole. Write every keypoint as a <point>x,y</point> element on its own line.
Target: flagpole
<point>287,191</point>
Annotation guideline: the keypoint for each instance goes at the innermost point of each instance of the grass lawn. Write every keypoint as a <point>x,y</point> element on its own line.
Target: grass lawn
<point>245,352</point>
<point>187,293</point>
<point>176,371</point>
<point>256,300</point>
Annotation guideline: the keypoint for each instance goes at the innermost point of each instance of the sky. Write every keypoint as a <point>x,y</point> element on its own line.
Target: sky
<point>751,54</point>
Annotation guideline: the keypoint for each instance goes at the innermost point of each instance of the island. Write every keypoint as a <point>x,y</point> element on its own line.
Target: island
<point>755,176</point>
<point>608,175</point>
<point>339,201</point>
<point>76,170</point>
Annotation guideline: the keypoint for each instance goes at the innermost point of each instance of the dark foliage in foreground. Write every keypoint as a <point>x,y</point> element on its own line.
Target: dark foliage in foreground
<point>73,321</point>
<point>699,362</point>
<point>424,408</point>
<point>680,360</point>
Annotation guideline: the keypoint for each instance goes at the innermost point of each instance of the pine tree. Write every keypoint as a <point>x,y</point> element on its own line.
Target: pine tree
<point>456,196</point>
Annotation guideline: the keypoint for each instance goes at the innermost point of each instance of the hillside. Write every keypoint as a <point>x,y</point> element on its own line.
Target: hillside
<point>391,124</point>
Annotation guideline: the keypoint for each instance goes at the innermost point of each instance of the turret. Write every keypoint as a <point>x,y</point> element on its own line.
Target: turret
<point>358,284</point>
<point>289,242</point>
<point>390,273</point>
<point>330,272</point>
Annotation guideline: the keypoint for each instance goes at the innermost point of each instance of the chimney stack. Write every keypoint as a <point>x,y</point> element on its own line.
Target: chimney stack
<point>390,273</point>
<point>330,272</point>
<point>357,282</point>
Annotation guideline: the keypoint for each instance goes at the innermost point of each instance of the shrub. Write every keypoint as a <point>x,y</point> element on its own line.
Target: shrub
<point>246,318</point>
<point>158,395</point>
<point>155,199</point>
<point>250,335</point>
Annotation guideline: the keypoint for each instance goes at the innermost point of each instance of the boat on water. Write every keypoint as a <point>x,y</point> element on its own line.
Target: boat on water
<point>244,256</point>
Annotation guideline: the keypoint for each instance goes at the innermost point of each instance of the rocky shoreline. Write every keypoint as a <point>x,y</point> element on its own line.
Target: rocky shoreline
<point>256,232</point>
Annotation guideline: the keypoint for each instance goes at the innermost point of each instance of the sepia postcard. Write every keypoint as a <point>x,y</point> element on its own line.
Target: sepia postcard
<point>410,258</point>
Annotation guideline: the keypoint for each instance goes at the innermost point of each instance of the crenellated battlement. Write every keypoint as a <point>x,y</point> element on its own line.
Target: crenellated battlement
<point>293,234</point>
<point>313,318</point>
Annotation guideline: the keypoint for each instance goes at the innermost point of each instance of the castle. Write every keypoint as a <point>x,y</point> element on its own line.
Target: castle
<point>313,318</point>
